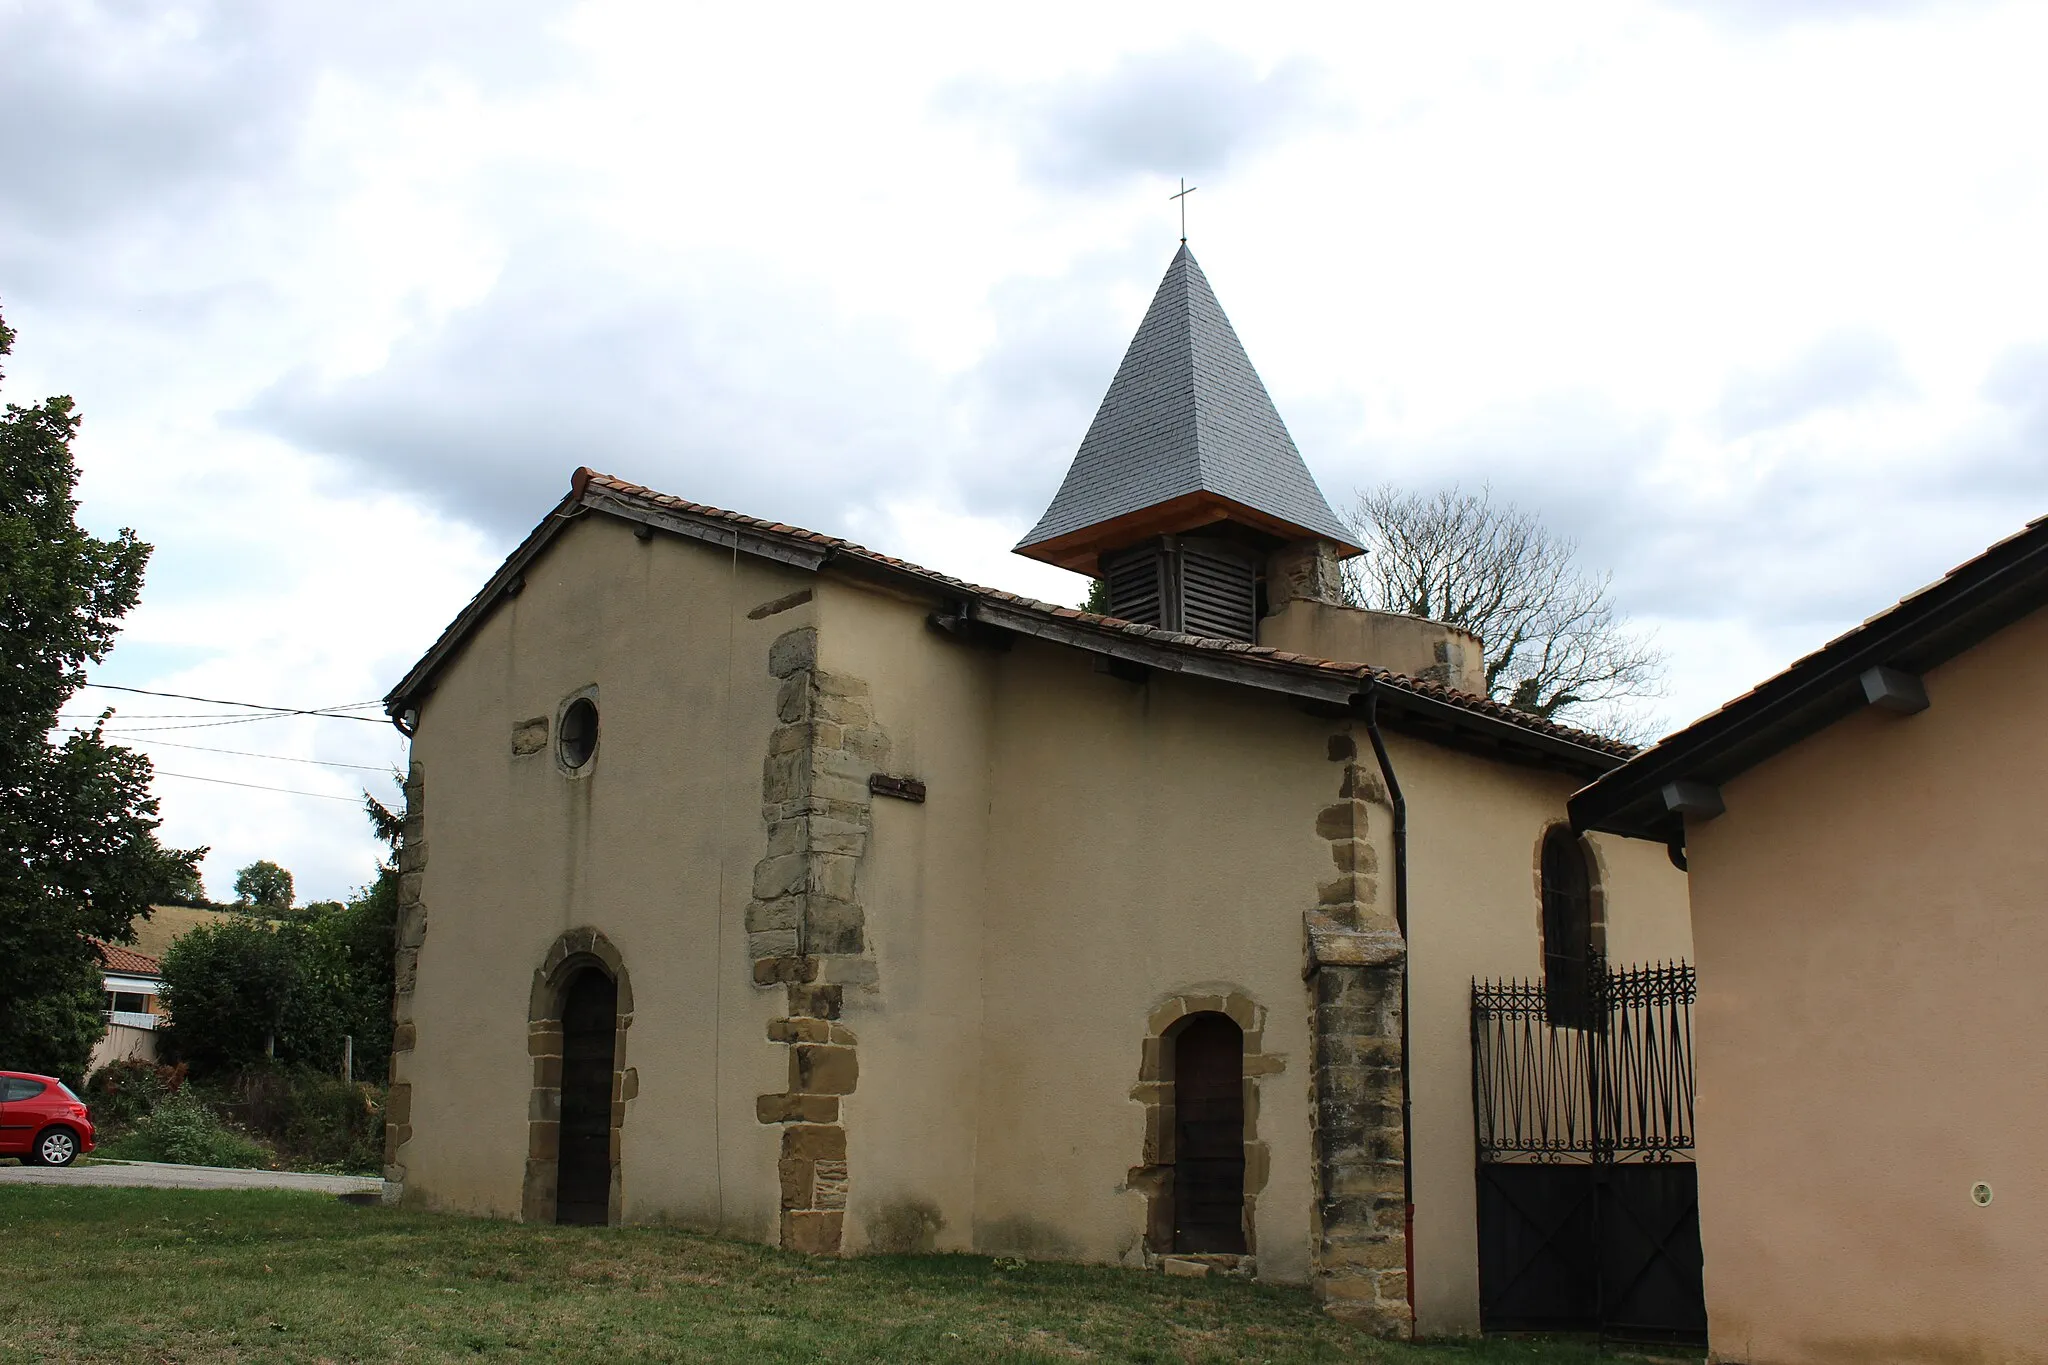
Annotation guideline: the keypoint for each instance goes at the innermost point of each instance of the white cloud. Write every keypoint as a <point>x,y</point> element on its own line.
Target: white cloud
<point>1196,108</point>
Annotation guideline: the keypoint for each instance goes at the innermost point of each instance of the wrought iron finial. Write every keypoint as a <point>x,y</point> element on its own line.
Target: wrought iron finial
<point>1185,190</point>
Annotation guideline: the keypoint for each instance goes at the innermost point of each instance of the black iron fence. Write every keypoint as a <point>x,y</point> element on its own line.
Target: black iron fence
<point>1615,1083</point>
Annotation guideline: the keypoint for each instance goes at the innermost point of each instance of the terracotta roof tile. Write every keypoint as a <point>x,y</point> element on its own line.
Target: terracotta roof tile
<point>119,959</point>
<point>586,480</point>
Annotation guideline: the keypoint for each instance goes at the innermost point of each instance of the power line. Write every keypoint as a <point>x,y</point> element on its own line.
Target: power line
<point>232,720</point>
<point>150,715</point>
<point>124,717</point>
<point>335,711</point>
<point>217,701</point>
<point>282,758</point>
<point>258,786</point>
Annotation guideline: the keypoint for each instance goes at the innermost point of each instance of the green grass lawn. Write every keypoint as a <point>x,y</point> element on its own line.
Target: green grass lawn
<point>177,1275</point>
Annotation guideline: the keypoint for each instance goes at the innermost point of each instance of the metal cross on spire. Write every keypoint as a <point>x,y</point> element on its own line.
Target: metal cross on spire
<point>1185,190</point>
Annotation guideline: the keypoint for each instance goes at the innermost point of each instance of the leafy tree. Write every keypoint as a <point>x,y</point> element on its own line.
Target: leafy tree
<point>264,885</point>
<point>369,936</point>
<point>357,942</point>
<point>250,992</point>
<point>78,848</point>
<point>186,890</point>
<point>228,988</point>
<point>1555,644</point>
<point>1097,600</point>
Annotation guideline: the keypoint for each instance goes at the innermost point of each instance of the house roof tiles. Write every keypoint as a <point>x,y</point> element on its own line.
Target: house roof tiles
<point>126,960</point>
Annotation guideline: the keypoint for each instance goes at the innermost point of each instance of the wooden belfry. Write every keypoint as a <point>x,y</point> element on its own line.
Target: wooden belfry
<point>1187,480</point>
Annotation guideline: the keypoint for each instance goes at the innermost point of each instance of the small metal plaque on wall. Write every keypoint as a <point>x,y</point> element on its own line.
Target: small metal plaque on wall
<point>902,788</point>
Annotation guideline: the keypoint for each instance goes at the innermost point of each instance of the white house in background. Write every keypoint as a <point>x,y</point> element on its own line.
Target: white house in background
<point>133,982</point>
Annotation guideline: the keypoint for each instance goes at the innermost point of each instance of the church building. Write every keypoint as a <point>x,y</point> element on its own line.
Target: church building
<point>761,882</point>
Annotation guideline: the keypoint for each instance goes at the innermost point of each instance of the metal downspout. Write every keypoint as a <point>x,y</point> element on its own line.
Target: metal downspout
<point>1400,804</point>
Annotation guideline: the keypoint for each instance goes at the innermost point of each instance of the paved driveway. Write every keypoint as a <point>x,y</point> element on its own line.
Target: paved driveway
<point>163,1176</point>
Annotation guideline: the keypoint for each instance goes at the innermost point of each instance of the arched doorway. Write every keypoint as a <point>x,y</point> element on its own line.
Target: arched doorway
<point>1208,1135</point>
<point>590,1008</point>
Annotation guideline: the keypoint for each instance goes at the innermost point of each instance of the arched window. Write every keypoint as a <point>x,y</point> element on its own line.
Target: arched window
<point>1568,946</point>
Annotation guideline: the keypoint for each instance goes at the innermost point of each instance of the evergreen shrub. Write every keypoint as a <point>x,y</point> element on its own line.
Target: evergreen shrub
<point>183,1128</point>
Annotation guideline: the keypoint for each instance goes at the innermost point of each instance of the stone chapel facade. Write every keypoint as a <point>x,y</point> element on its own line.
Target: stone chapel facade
<point>762,882</point>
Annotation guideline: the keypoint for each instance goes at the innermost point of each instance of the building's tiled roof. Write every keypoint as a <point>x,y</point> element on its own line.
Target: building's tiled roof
<point>602,491</point>
<point>126,961</point>
<point>1185,414</point>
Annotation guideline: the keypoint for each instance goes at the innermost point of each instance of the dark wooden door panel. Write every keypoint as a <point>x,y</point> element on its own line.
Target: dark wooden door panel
<point>583,1181</point>
<point>1208,1162</point>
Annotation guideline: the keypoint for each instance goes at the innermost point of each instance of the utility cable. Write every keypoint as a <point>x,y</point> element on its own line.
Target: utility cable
<point>232,720</point>
<point>258,786</point>
<point>281,758</point>
<point>335,711</point>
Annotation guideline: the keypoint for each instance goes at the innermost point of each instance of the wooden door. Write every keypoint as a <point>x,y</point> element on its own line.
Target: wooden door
<point>1208,1135</point>
<point>583,1182</point>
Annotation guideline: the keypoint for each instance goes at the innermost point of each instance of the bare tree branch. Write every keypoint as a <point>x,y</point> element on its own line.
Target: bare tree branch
<point>1555,646</point>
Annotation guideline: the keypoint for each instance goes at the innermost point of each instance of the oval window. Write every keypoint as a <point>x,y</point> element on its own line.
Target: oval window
<point>579,732</point>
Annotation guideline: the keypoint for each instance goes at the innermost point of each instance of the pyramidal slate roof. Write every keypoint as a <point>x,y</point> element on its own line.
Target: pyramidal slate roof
<point>1185,414</point>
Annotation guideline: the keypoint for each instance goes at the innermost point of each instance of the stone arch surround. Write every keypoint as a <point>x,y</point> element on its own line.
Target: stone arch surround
<point>1154,1176</point>
<point>573,950</point>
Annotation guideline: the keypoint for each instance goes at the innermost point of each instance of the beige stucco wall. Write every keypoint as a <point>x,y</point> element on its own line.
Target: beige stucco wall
<point>911,1123</point>
<point>120,1043</point>
<point>1089,847</point>
<point>1401,644</point>
<point>654,848</point>
<point>1871,1022</point>
<point>1169,846</point>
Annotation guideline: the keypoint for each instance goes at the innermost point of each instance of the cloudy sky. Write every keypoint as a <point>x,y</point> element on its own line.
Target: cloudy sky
<point>1746,296</point>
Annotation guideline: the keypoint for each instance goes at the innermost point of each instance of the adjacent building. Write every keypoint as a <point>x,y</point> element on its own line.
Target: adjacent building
<point>1864,836</point>
<point>133,982</point>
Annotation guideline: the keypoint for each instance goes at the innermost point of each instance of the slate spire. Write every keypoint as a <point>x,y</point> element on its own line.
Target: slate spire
<point>1187,436</point>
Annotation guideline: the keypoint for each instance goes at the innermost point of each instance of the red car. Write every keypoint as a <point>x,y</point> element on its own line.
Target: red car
<point>41,1121</point>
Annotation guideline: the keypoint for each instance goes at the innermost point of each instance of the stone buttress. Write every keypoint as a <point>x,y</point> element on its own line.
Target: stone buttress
<point>806,927</point>
<point>1355,965</point>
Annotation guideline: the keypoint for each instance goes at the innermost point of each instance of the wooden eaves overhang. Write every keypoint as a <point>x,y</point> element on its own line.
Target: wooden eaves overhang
<point>970,612</point>
<point>1878,663</point>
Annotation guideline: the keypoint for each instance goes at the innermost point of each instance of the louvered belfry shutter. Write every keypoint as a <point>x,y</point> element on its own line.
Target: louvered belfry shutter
<point>1218,590</point>
<point>1199,586</point>
<point>1138,589</point>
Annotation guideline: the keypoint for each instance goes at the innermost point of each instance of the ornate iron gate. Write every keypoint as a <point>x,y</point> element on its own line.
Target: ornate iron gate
<point>1588,1198</point>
